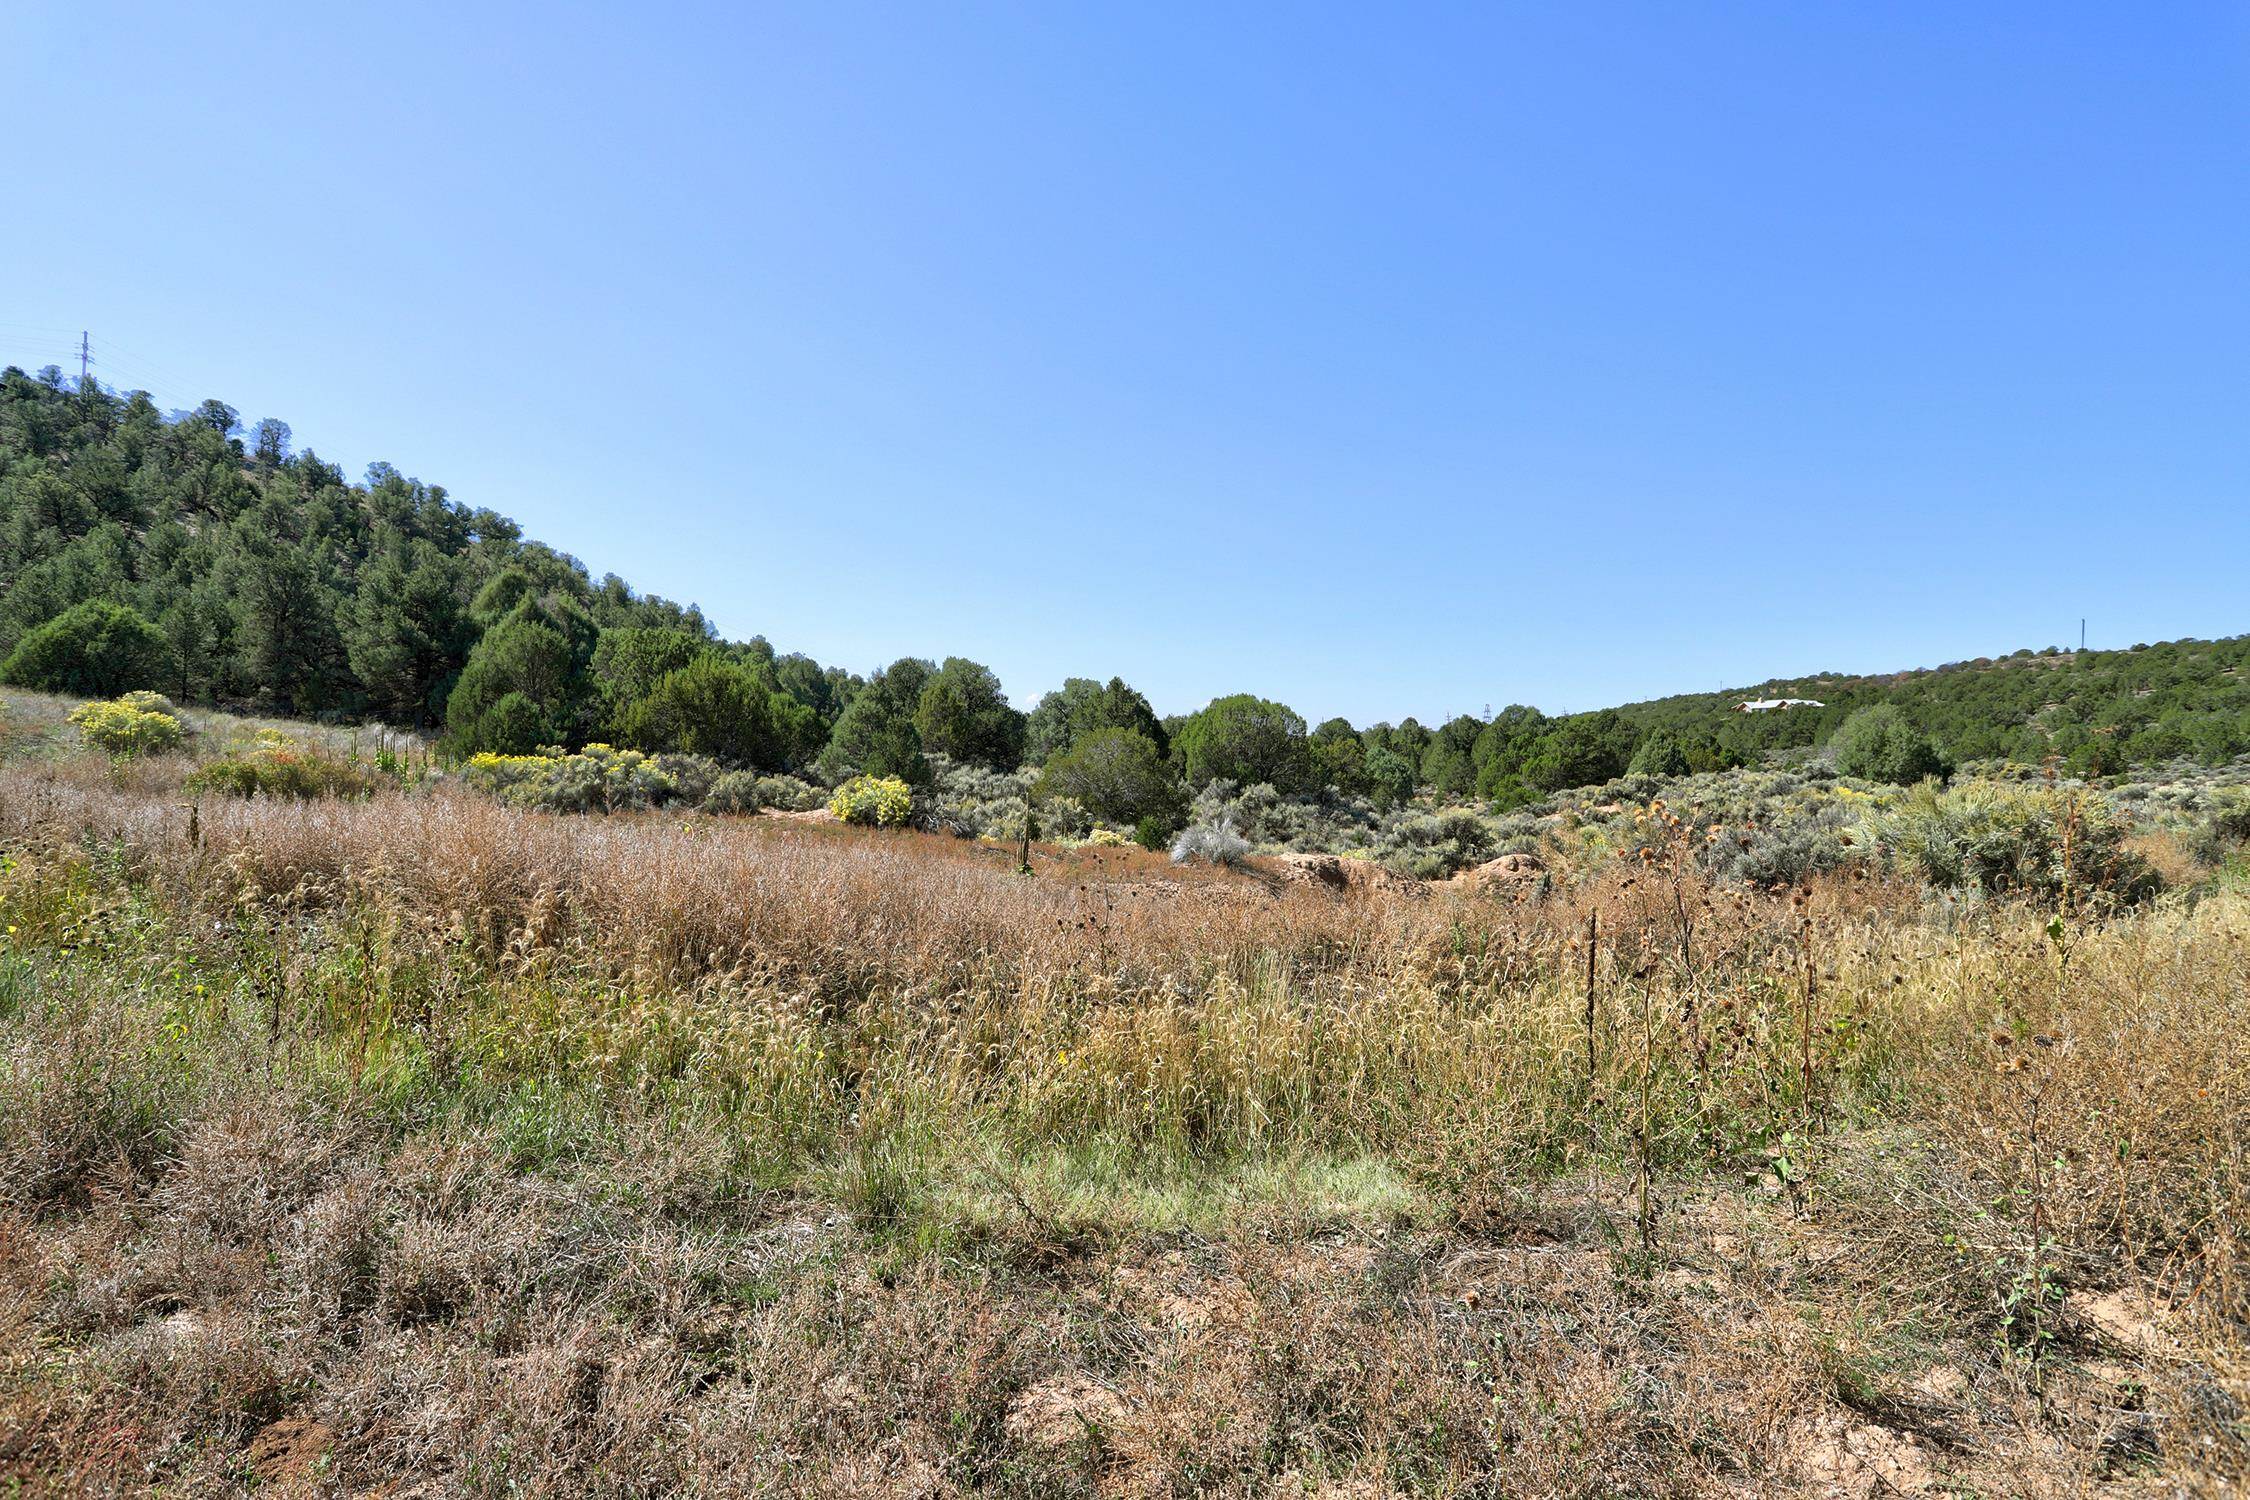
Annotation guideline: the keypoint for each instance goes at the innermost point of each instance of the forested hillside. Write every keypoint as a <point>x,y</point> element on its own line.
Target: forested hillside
<point>187,553</point>
<point>2099,710</point>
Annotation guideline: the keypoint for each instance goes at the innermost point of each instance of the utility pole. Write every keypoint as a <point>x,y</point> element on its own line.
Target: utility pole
<point>2081,632</point>
<point>85,354</point>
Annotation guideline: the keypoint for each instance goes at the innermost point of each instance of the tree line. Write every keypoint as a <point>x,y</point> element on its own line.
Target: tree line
<point>189,553</point>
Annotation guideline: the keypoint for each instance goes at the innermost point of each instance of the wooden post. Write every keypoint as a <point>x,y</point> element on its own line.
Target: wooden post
<point>1805,1023</point>
<point>1593,936</point>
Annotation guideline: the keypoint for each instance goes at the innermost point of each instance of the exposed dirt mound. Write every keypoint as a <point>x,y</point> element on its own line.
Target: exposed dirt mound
<point>1507,870</point>
<point>1337,873</point>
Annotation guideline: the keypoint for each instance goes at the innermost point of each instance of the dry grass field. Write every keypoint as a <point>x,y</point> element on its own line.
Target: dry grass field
<point>420,1145</point>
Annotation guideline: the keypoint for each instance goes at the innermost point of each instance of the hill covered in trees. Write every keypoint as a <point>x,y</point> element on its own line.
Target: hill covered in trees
<point>184,552</point>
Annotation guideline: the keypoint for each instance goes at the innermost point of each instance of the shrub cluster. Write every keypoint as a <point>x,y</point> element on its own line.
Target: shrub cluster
<point>1327,821</point>
<point>599,778</point>
<point>1431,846</point>
<point>131,725</point>
<point>1210,844</point>
<point>2005,838</point>
<point>277,766</point>
<point>749,792</point>
<point>873,801</point>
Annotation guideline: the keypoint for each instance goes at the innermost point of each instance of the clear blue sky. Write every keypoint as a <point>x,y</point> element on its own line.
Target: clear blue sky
<point>1383,359</point>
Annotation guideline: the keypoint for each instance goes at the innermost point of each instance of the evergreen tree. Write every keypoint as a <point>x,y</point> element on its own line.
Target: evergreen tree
<point>525,657</point>
<point>406,633</point>
<point>96,649</point>
<point>1245,739</point>
<point>962,712</point>
<point>876,734</point>
<point>720,709</point>
<point>1116,774</point>
<point>1880,744</point>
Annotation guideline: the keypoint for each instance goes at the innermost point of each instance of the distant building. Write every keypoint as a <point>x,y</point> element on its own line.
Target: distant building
<point>1767,705</point>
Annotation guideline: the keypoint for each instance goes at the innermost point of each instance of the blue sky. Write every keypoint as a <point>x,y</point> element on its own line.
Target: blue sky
<point>1383,359</point>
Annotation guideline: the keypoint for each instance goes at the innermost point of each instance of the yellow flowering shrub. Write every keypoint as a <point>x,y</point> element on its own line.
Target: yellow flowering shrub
<point>500,774</point>
<point>599,778</point>
<point>132,725</point>
<point>876,801</point>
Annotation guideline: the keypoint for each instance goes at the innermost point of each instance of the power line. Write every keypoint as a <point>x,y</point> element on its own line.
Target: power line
<point>135,375</point>
<point>144,364</point>
<point>53,347</point>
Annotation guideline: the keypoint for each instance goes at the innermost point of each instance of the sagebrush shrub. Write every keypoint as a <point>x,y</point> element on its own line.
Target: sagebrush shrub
<point>749,792</point>
<point>692,776</point>
<point>1431,846</point>
<point>735,793</point>
<point>1824,837</point>
<point>788,794</point>
<point>976,801</point>
<point>2230,814</point>
<point>1322,822</point>
<point>2006,839</point>
<point>1210,843</point>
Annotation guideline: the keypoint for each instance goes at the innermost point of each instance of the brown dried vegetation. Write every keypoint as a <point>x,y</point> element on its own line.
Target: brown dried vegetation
<point>422,1145</point>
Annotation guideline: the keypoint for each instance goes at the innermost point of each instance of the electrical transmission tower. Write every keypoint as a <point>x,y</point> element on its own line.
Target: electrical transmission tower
<point>85,355</point>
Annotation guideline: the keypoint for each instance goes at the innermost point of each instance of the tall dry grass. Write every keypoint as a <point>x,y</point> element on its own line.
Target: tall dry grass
<point>1998,1120</point>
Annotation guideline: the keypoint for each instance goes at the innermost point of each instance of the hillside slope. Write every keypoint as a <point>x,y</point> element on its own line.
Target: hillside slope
<point>2150,703</point>
<point>261,578</point>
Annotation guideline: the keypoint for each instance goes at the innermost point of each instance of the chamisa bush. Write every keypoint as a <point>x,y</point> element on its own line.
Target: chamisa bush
<point>873,801</point>
<point>599,778</point>
<point>128,726</point>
